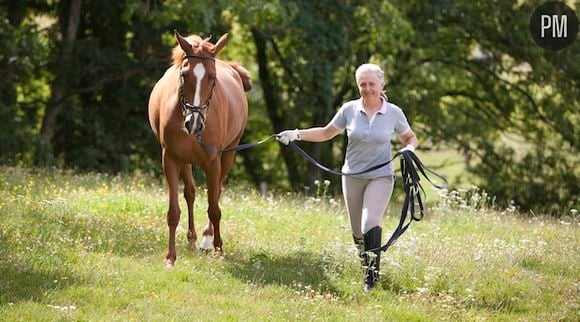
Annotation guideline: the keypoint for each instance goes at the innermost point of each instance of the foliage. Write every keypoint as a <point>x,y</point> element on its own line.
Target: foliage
<point>483,86</point>
<point>467,74</point>
<point>23,52</point>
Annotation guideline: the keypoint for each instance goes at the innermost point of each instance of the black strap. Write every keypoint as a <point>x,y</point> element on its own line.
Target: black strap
<point>411,167</point>
<point>247,145</point>
<point>234,148</point>
<point>338,173</point>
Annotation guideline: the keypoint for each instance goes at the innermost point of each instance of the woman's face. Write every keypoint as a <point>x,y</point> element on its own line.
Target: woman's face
<point>369,86</point>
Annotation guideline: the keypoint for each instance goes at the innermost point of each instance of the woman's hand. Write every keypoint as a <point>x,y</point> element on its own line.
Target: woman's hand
<point>408,147</point>
<point>285,137</point>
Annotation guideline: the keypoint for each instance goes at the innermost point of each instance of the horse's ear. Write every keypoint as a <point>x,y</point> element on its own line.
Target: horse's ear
<point>183,43</point>
<point>219,44</point>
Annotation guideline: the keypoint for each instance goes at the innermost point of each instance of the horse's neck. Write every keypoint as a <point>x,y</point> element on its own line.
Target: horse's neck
<point>172,86</point>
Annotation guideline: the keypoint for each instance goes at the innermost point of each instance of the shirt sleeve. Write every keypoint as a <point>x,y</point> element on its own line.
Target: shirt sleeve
<point>401,125</point>
<point>339,119</point>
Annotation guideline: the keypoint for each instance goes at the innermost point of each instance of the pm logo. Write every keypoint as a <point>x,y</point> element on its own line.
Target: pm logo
<point>554,25</point>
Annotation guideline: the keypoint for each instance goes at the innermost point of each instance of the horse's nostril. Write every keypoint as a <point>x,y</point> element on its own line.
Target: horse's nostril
<point>199,128</point>
<point>188,126</point>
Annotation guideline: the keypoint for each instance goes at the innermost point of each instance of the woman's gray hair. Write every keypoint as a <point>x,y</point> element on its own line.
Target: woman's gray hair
<point>370,68</point>
<point>374,69</point>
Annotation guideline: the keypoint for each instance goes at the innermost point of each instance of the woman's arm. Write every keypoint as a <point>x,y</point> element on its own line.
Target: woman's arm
<point>319,134</point>
<point>409,138</point>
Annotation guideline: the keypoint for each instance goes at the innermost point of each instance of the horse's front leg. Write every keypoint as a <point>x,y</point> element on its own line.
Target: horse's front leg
<point>189,194</point>
<point>171,170</point>
<point>212,230</point>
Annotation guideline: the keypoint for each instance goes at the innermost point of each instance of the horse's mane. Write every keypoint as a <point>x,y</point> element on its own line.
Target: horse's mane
<point>178,53</point>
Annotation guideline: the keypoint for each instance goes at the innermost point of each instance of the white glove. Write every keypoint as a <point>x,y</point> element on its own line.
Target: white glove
<point>288,136</point>
<point>409,147</point>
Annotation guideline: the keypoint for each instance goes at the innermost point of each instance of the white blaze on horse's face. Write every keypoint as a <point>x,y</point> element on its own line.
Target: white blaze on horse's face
<point>199,72</point>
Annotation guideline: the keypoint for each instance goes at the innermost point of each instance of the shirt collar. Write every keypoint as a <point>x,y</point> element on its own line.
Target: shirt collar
<point>383,110</point>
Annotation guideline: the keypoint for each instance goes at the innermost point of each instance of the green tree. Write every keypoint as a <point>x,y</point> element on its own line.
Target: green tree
<point>77,76</point>
<point>467,74</point>
<point>23,52</point>
<point>306,53</point>
<point>474,78</point>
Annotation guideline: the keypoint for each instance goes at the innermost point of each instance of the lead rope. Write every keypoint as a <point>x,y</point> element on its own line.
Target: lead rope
<point>411,167</point>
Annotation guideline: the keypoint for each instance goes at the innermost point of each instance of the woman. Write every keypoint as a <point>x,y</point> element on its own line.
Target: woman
<point>370,122</point>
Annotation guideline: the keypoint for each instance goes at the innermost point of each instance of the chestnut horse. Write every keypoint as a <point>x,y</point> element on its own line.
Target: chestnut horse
<point>197,109</point>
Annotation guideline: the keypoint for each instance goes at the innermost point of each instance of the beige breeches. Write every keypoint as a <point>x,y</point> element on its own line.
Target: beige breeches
<point>366,201</point>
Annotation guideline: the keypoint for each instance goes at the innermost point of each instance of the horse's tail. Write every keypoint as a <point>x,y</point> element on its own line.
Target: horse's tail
<point>244,75</point>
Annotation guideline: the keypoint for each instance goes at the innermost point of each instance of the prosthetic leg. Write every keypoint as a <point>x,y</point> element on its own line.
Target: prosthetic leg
<point>372,260</point>
<point>359,243</point>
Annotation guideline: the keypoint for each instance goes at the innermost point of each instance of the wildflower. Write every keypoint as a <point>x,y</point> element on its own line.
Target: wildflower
<point>422,290</point>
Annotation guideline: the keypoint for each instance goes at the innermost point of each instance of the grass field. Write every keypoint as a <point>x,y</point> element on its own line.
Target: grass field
<point>91,247</point>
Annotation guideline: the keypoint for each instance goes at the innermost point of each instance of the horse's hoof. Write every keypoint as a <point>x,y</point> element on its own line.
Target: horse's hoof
<point>206,243</point>
<point>169,264</point>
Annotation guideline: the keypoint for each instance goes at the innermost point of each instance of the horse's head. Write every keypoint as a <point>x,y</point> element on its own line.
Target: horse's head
<point>198,73</point>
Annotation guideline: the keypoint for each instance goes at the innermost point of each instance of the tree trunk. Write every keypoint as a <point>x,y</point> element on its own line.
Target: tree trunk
<point>274,107</point>
<point>58,88</point>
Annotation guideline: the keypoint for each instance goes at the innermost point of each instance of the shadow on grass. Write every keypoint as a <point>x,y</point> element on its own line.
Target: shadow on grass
<point>298,270</point>
<point>40,247</point>
<point>22,282</point>
<point>97,233</point>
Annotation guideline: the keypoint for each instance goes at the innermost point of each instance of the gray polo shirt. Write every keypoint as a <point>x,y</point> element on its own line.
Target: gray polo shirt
<point>369,141</point>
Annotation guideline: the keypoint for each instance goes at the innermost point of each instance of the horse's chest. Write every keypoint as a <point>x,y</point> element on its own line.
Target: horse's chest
<point>183,148</point>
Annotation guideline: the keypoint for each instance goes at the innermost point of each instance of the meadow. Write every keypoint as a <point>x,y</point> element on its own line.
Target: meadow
<point>91,247</point>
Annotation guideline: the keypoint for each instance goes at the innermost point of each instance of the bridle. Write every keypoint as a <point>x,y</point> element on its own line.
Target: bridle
<point>188,108</point>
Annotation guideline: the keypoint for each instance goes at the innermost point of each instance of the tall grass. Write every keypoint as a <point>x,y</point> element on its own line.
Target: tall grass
<point>91,247</point>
